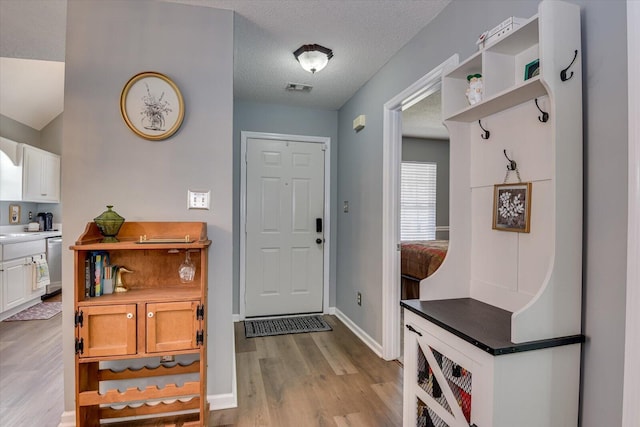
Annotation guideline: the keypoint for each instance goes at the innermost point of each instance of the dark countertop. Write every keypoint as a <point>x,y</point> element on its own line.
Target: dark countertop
<point>482,325</point>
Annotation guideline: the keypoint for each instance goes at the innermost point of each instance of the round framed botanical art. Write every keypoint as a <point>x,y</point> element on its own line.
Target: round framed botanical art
<point>152,106</point>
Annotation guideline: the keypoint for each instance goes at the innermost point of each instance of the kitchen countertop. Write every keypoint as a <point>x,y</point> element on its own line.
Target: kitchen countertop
<point>16,235</point>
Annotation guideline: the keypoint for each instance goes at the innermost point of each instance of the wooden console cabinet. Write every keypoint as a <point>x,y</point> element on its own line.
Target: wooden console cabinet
<point>142,353</point>
<point>495,339</point>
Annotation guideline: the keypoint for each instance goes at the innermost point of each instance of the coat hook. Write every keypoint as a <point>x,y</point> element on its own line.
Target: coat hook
<point>563,73</point>
<point>486,132</point>
<point>512,163</point>
<point>545,116</point>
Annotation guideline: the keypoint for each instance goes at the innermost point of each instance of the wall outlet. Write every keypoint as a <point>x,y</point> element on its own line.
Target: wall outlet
<point>197,199</point>
<point>359,298</point>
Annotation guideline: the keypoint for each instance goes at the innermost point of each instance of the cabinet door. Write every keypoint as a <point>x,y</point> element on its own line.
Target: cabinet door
<point>16,280</point>
<point>108,330</point>
<point>438,382</point>
<point>172,326</point>
<point>40,176</point>
<point>50,181</point>
<point>31,174</point>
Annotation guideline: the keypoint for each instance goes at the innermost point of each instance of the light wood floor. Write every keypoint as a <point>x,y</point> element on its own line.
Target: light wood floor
<point>303,380</point>
<point>31,384</point>
<point>313,379</point>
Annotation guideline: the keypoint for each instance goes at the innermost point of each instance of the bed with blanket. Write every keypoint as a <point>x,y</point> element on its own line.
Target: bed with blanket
<point>418,260</point>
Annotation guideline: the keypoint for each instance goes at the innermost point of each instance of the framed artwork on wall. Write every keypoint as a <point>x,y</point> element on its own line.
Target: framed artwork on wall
<point>512,207</point>
<point>14,214</point>
<point>152,106</point>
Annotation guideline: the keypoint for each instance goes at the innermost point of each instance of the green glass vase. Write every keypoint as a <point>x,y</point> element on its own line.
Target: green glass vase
<point>109,223</point>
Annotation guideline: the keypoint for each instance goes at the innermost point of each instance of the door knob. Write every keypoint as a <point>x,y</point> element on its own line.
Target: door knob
<point>318,241</point>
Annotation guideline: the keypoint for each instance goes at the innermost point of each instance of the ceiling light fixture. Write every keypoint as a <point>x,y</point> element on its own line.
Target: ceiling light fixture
<point>313,57</point>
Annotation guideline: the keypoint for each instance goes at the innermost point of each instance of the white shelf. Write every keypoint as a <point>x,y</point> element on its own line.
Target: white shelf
<point>525,91</point>
<point>502,66</point>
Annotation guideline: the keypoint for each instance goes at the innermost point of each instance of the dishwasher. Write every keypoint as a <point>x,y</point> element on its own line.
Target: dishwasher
<point>54,259</point>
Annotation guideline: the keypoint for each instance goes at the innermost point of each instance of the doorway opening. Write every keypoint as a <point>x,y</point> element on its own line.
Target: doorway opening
<point>392,145</point>
<point>315,144</point>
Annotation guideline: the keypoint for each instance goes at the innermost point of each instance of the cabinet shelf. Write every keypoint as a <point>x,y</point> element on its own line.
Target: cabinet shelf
<point>148,371</point>
<point>178,292</point>
<point>132,394</point>
<point>150,409</point>
<point>522,92</point>
<point>502,66</point>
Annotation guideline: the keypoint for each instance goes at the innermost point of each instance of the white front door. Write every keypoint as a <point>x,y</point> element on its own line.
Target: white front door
<point>284,227</point>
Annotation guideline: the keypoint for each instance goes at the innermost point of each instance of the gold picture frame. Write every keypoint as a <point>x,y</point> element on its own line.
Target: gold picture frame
<point>152,106</point>
<point>512,207</point>
<point>14,214</point>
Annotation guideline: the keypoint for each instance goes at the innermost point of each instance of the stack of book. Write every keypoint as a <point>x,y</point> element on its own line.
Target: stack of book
<point>98,274</point>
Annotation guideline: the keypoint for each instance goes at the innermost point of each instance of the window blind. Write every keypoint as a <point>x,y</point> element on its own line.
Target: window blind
<point>418,201</point>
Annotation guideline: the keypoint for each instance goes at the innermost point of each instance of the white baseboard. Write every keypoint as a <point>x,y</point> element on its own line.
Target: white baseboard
<point>235,318</point>
<point>222,401</point>
<point>331,311</point>
<point>364,337</point>
<point>68,419</point>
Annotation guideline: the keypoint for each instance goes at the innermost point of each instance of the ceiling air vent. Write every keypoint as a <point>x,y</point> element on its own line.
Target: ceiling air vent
<point>298,87</point>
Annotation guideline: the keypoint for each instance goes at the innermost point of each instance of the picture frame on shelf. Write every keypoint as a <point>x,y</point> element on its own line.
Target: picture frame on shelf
<point>512,207</point>
<point>14,214</point>
<point>532,69</point>
<point>152,106</point>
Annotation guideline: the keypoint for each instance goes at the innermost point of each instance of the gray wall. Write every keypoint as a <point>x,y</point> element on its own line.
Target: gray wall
<point>51,136</point>
<point>605,139</point>
<point>106,163</point>
<point>436,151</point>
<point>272,118</point>
<point>18,132</point>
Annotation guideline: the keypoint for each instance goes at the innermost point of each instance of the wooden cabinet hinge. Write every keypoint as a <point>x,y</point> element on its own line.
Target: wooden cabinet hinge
<point>200,337</point>
<point>79,345</point>
<point>78,318</point>
<point>200,312</point>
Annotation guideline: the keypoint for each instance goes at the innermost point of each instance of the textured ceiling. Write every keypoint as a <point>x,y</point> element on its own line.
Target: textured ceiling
<point>364,35</point>
<point>424,119</point>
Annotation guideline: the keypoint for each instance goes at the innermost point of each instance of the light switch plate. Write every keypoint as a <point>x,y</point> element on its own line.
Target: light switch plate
<point>199,199</point>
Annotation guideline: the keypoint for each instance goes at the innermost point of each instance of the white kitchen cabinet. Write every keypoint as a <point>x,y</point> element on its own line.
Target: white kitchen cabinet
<point>40,176</point>
<point>17,276</point>
<point>10,170</point>
<point>16,282</point>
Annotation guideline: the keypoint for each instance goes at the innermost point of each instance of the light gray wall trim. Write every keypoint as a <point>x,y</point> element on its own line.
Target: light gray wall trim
<point>106,163</point>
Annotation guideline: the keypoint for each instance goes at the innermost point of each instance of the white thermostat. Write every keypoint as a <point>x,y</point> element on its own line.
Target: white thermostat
<point>199,199</point>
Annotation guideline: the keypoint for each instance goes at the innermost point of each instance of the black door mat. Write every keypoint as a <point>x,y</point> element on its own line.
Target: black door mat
<point>285,325</point>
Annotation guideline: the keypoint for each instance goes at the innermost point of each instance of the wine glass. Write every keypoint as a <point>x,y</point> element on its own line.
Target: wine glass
<point>187,269</point>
